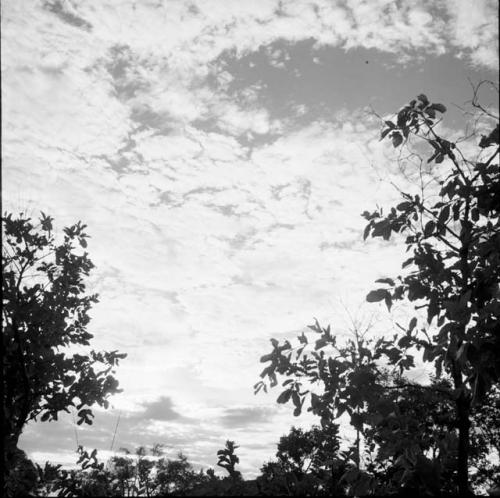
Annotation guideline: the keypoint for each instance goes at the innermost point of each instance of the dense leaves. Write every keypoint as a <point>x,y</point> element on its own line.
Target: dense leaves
<point>454,269</point>
<point>410,447</point>
<point>145,473</point>
<point>419,437</point>
<point>45,315</point>
<point>307,463</point>
<point>137,475</point>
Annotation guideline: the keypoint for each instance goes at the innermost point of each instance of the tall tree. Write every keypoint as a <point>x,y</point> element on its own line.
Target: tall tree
<point>452,274</point>
<point>45,315</point>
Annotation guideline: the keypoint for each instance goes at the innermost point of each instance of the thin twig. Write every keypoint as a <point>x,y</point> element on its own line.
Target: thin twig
<point>114,434</point>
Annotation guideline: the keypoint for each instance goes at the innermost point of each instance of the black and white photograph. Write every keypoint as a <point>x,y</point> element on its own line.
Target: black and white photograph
<point>250,248</point>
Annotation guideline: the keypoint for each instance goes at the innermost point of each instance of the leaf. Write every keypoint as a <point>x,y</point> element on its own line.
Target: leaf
<point>439,107</point>
<point>388,281</point>
<point>432,310</point>
<point>402,117</point>
<point>439,158</point>
<point>321,343</point>
<point>423,98</point>
<point>367,231</point>
<point>376,295</point>
<point>397,139</point>
<point>284,396</point>
<point>412,325</point>
<point>384,133</point>
<point>408,262</point>
<point>404,342</point>
<point>429,228</point>
<point>273,379</point>
<point>444,215</point>
<point>302,338</point>
<point>435,145</point>
<point>390,124</point>
<point>315,401</point>
<point>267,371</point>
<point>46,222</point>
<point>404,206</point>
<point>432,157</point>
<point>388,301</point>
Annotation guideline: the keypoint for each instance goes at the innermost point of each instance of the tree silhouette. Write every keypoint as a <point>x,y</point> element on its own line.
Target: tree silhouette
<point>307,462</point>
<point>452,274</point>
<point>44,317</point>
<point>228,459</point>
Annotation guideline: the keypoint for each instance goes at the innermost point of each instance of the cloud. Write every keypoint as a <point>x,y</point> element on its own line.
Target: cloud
<point>474,31</point>
<point>161,409</point>
<point>161,81</point>
<point>66,13</point>
<point>246,416</point>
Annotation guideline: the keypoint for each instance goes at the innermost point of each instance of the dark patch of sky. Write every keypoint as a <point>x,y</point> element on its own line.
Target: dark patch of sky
<point>161,409</point>
<point>308,82</point>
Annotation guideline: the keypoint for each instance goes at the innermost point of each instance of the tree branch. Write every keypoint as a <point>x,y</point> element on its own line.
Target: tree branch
<point>419,386</point>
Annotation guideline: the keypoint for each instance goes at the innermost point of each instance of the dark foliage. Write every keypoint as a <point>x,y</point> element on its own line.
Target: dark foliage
<point>422,439</point>
<point>44,313</point>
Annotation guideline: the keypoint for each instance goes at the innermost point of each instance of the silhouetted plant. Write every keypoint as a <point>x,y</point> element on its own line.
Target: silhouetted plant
<point>454,269</point>
<point>45,312</point>
<point>307,463</point>
<point>453,274</point>
<point>228,459</point>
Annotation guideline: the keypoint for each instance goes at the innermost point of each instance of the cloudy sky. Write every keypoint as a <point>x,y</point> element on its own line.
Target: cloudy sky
<point>221,153</point>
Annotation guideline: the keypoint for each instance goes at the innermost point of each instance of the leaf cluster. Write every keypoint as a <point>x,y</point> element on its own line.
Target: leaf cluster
<point>45,317</point>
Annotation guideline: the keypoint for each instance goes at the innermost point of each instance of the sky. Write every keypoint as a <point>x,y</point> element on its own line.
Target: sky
<point>221,153</point>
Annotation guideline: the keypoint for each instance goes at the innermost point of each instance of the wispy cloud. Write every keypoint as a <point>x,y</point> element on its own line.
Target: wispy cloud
<point>246,417</point>
<point>65,12</point>
<point>475,31</point>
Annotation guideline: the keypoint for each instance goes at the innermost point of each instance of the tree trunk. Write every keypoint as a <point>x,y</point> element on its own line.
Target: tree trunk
<point>463,401</point>
<point>463,446</point>
<point>358,455</point>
